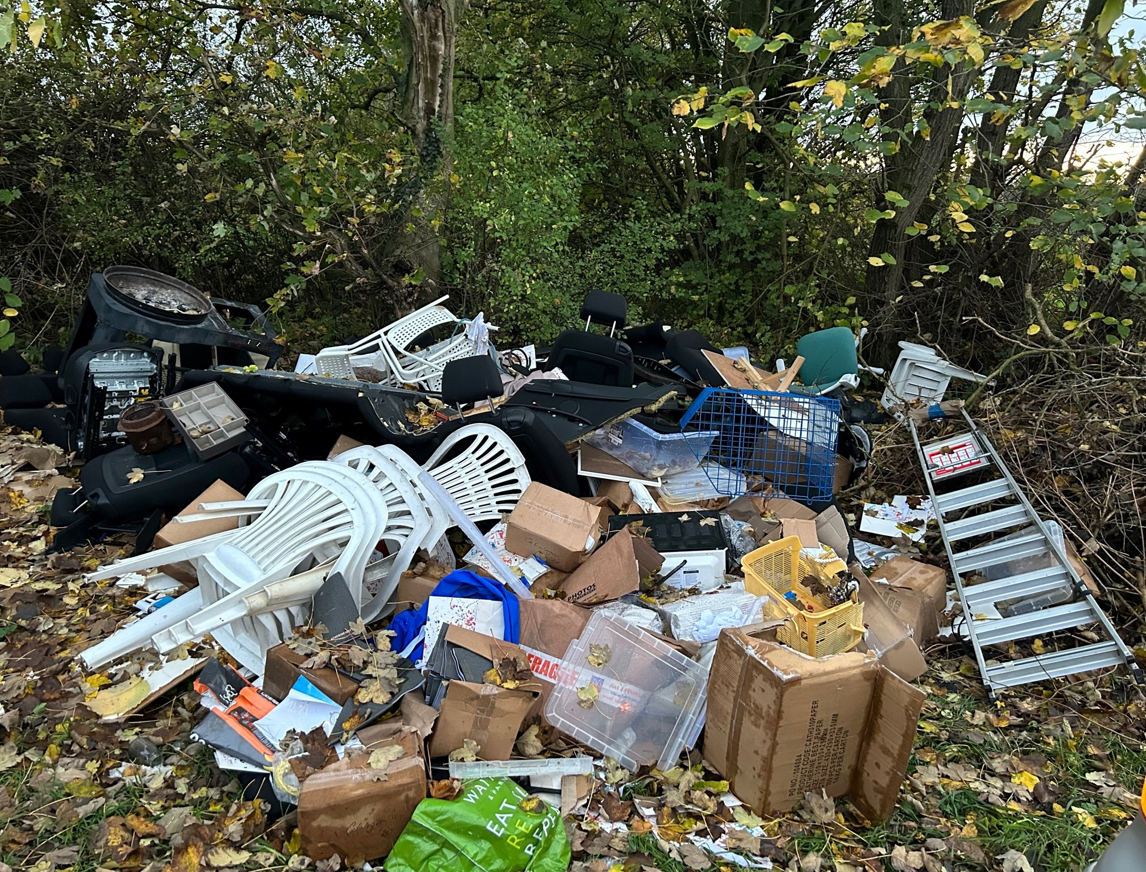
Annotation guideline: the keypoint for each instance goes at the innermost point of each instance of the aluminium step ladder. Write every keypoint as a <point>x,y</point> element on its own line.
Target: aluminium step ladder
<point>1002,605</point>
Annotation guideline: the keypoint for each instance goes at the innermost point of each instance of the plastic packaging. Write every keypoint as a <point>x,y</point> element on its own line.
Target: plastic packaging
<point>701,618</point>
<point>483,830</point>
<point>650,453</point>
<point>627,694</point>
<point>696,485</point>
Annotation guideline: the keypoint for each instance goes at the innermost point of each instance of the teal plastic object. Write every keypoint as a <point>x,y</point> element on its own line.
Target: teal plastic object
<point>484,830</point>
<point>828,355</point>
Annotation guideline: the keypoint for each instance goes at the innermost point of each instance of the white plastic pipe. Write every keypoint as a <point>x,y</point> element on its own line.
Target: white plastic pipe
<point>474,534</point>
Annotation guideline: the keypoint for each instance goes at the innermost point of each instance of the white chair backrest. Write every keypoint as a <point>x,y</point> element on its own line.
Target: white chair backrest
<point>481,468</point>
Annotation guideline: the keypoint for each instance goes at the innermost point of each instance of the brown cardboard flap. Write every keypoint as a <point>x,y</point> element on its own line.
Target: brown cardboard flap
<point>804,530</point>
<point>173,533</point>
<point>883,759</point>
<point>550,626</point>
<point>614,569</point>
<point>413,591</point>
<point>489,647</point>
<point>902,655</point>
<point>492,716</point>
<point>342,445</point>
<point>782,509</point>
<point>833,531</point>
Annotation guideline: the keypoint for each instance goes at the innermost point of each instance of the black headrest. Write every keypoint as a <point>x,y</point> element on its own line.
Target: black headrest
<point>470,380</point>
<point>605,307</point>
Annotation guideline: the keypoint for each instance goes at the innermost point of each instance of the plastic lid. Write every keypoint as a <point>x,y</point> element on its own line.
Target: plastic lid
<point>627,694</point>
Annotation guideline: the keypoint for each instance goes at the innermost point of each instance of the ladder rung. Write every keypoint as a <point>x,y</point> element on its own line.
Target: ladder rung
<point>975,495</point>
<point>1054,665</point>
<point>1000,551</point>
<point>1028,584</point>
<point>988,522</point>
<point>1033,623</point>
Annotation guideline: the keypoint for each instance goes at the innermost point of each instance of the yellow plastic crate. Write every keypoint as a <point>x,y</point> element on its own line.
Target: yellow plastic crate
<point>814,626</point>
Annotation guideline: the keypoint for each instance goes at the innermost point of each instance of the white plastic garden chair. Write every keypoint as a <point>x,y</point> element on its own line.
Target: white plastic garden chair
<point>486,477</point>
<point>337,361</point>
<point>424,368</point>
<point>256,582</point>
<point>408,527</point>
<point>920,375</point>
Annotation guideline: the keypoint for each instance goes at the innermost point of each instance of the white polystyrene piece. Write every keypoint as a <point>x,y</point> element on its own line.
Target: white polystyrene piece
<point>135,636</point>
<point>486,477</point>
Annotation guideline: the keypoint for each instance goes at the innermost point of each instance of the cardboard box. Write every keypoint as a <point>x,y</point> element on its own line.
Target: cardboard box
<point>490,715</point>
<point>357,812</point>
<point>903,572</point>
<point>617,494</point>
<point>554,526</point>
<point>781,724</point>
<point>890,639</point>
<point>915,609</point>
<point>613,570</point>
<point>843,474</point>
<point>173,533</point>
<point>785,460</point>
<point>284,666</point>
<point>343,444</point>
<point>413,591</point>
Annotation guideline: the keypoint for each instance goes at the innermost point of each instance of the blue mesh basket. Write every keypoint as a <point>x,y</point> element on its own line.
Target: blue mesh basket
<point>784,440</point>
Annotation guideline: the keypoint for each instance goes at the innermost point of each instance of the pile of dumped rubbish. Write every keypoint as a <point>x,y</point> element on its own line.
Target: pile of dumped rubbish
<point>429,589</point>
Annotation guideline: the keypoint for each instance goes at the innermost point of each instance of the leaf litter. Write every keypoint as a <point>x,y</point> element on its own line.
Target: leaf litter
<point>1041,782</point>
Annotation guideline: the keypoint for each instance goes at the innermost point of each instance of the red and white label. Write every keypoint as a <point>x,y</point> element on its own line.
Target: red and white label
<point>954,457</point>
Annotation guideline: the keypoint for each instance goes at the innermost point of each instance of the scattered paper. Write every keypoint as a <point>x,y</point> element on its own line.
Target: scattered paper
<point>903,516</point>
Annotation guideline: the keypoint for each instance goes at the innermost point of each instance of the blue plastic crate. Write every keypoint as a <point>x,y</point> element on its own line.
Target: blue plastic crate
<point>784,440</point>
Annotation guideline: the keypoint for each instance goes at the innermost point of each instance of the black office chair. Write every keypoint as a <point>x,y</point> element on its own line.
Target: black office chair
<point>591,357</point>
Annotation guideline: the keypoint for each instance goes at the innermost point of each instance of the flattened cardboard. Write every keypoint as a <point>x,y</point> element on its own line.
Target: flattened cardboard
<point>613,570</point>
<point>780,508</point>
<point>747,510</point>
<point>284,666</point>
<point>915,609</point>
<point>551,625</point>
<point>357,812</point>
<point>173,533</point>
<point>413,591</point>
<point>804,530</point>
<point>342,445</point>
<point>843,474</point>
<point>902,571</point>
<point>553,526</point>
<point>781,724</point>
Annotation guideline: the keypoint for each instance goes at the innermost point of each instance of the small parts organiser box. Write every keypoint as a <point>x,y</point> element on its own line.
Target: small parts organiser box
<point>209,420</point>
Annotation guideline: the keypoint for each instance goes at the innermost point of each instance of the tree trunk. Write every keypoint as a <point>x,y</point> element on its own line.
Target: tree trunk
<point>429,39</point>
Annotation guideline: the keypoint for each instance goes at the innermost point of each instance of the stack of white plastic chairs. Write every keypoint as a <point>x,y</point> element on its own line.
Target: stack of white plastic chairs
<point>361,517</point>
<point>393,355</point>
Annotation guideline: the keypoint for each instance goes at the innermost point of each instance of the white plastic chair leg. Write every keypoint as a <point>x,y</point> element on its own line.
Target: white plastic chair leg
<point>138,635</point>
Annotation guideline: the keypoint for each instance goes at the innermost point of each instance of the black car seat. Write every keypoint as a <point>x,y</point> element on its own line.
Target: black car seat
<point>591,357</point>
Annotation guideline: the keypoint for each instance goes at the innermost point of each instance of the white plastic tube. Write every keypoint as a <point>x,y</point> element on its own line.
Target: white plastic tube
<point>474,534</point>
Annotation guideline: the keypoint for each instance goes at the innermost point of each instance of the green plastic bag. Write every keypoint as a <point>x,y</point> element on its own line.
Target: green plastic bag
<point>483,830</point>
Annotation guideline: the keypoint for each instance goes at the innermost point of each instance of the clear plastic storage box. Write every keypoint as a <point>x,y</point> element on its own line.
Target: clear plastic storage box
<point>209,420</point>
<point>627,694</point>
<point>650,453</point>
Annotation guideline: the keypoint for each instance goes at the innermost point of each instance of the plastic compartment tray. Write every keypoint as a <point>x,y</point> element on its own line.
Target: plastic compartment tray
<point>696,485</point>
<point>676,531</point>
<point>650,453</point>
<point>627,694</point>
<point>209,420</point>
